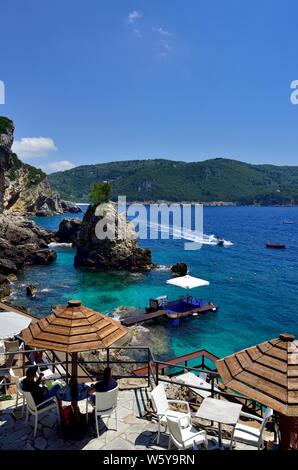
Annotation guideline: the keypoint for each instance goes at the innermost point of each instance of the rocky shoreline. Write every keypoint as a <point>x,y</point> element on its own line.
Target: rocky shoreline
<point>22,243</point>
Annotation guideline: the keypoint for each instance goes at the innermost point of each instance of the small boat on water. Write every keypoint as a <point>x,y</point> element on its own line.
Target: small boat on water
<point>219,241</point>
<point>277,246</point>
<point>288,222</point>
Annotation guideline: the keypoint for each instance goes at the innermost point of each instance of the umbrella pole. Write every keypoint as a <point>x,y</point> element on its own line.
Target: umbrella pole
<point>74,380</point>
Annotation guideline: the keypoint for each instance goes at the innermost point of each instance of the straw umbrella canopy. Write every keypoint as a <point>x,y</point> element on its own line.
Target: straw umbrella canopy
<point>73,329</point>
<point>267,373</point>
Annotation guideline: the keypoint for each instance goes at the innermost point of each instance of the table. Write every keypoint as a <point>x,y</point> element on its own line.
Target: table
<point>48,374</point>
<point>220,411</point>
<point>192,380</point>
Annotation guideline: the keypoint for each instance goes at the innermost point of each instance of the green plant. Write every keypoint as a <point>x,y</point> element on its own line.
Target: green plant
<point>4,397</point>
<point>100,193</point>
<point>5,123</point>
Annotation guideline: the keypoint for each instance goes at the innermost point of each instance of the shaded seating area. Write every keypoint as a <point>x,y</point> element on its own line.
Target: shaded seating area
<point>151,414</point>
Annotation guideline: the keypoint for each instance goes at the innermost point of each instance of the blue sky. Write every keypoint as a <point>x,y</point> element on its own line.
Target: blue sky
<point>96,81</point>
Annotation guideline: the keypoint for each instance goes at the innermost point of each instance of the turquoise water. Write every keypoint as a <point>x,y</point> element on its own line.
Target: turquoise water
<point>254,287</point>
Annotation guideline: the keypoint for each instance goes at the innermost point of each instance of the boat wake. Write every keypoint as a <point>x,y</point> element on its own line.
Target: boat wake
<point>186,234</point>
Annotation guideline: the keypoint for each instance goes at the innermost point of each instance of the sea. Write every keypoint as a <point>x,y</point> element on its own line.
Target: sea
<point>255,288</point>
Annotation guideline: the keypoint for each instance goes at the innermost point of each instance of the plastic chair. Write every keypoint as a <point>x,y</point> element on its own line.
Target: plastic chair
<point>20,394</point>
<point>203,376</point>
<point>37,410</point>
<point>250,435</point>
<point>184,437</point>
<point>105,405</point>
<point>11,347</point>
<point>162,407</point>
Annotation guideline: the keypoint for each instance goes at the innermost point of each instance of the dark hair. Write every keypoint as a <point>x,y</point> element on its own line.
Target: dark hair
<point>31,372</point>
<point>107,374</point>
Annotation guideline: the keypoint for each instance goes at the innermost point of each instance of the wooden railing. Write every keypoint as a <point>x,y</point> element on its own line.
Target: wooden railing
<point>153,370</point>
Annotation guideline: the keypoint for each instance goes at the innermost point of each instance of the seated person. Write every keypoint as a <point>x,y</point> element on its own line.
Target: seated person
<point>39,392</point>
<point>105,385</point>
<point>36,357</point>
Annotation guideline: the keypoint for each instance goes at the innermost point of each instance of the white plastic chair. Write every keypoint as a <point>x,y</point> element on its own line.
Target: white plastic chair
<point>248,434</point>
<point>37,410</point>
<point>184,437</point>
<point>105,405</point>
<point>20,394</point>
<point>11,347</point>
<point>162,406</point>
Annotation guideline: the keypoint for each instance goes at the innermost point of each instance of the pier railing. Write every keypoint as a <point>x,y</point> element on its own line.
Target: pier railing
<point>127,366</point>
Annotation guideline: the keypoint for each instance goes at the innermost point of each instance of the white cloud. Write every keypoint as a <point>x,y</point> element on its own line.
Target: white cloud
<point>33,147</point>
<point>61,165</point>
<point>161,31</point>
<point>133,16</point>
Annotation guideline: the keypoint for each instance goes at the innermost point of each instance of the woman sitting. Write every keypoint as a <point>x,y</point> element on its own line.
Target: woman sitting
<point>105,385</point>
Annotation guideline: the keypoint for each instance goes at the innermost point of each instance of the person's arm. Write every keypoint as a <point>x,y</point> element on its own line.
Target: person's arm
<point>39,379</point>
<point>91,390</point>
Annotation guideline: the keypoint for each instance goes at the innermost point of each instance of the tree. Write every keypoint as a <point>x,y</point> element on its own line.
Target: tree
<point>100,193</point>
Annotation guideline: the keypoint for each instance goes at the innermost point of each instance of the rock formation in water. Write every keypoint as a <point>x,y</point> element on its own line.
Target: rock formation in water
<point>21,243</point>
<point>110,254</point>
<point>179,269</point>
<point>25,189</point>
<point>68,231</point>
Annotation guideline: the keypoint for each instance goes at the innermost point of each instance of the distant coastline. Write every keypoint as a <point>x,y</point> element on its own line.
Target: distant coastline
<point>206,204</point>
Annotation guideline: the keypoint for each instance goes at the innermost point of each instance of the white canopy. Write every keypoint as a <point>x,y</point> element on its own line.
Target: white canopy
<point>12,323</point>
<point>188,282</point>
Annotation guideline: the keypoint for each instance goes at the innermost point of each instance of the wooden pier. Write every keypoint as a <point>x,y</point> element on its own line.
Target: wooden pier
<point>163,313</point>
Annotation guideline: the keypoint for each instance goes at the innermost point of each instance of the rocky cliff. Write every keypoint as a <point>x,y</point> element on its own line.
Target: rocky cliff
<point>109,254</point>
<point>21,243</point>
<point>25,189</point>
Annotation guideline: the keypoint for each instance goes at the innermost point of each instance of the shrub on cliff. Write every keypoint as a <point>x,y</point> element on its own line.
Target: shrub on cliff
<point>100,193</point>
<point>5,123</point>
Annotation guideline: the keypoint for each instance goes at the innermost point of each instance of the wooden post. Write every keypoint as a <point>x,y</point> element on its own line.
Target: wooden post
<point>74,379</point>
<point>23,360</point>
<point>108,357</point>
<point>67,373</point>
<point>288,426</point>
<point>148,365</point>
<point>156,373</point>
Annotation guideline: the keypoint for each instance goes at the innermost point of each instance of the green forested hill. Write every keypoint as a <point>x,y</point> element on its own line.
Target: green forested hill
<point>212,180</point>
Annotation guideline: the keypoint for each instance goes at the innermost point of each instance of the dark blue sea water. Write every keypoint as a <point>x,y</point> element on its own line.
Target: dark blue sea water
<point>254,287</point>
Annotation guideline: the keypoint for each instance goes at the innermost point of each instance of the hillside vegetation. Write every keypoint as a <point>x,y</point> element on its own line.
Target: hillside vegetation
<point>212,180</point>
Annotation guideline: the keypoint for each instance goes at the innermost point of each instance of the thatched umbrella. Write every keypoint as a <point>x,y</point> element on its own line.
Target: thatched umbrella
<point>72,329</point>
<point>268,373</point>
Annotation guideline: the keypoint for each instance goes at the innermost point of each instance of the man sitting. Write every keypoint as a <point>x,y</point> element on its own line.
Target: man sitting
<point>40,392</point>
<point>105,385</point>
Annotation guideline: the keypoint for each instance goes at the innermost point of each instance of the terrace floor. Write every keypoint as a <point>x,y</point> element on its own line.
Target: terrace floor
<point>135,429</point>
